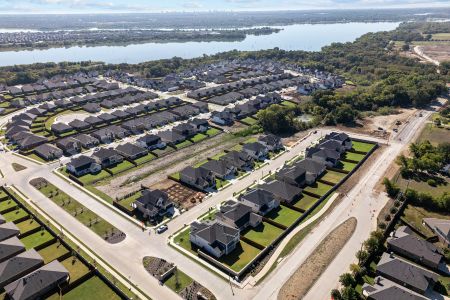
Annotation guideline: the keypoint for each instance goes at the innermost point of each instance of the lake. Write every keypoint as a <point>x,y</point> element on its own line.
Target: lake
<point>309,37</point>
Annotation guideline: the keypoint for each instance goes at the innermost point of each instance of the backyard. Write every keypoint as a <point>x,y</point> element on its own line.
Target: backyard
<point>305,202</point>
<point>332,176</point>
<point>361,146</point>
<point>346,166</point>
<point>318,188</point>
<point>52,252</point>
<point>264,234</point>
<point>353,156</point>
<point>284,215</point>
<point>94,288</point>
<point>36,239</point>
<point>242,255</point>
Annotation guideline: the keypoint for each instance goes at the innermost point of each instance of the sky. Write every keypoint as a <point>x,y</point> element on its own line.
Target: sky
<point>111,6</point>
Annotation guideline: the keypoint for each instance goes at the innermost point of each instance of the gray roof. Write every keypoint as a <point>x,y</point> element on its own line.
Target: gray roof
<point>214,232</point>
<point>218,167</point>
<point>415,246</point>
<point>8,230</point>
<point>10,247</point>
<point>130,149</point>
<point>404,272</point>
<point>441,225</point>
<point>17,265</point>
<point>384,289</point>
<point>258,196</point>
<point>281,189</point>
<point>38,282</point>
<point>310,166</point>
<point>237,212</point>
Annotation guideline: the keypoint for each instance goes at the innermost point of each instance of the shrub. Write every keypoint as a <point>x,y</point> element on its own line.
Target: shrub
<point>431,182</point>
<point>393,210</point>
<point>396,203</point>
<point>387,217</point>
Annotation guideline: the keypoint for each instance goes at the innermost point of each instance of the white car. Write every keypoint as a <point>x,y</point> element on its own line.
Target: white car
<point>161,229</point>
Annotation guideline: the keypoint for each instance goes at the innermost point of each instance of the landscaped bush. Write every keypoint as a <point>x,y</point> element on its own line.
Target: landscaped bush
<point>431,182</point>
<point>393,210</point>
<point>387,218</point>
<point>382,225</point>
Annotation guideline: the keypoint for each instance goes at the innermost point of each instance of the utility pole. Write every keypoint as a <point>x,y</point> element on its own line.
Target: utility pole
<point>231,285</point>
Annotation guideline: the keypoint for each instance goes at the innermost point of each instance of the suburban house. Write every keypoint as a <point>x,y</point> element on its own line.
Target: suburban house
<point>131,151</point>
<point>220,169</point>
<point>201,179</point>
<point>261,201</point>
<point>86,141</point>
<point>8,230</point>
<point>93,121</point>
<point>38,283</point>
<point>403,242</point>
<point>150,142</point>
<point>271,141</point>
<point>292,175</point>
<point>201,125</point>
<point>224,118</point>
<point>332,145</point>
<point>60,128</point>
<point>214,238</point>
<point>283,191</point>
<point>28,140</point>
<point>406,274</point>
<point>240,160</point>
<point>256,150</point>
<point>69,146</point>
<point>185,129</point>
<point>10,248</point>
<point>103,135</point>
<point>314,169</point>
<point>107,157</point>
<point>384,289</point>
<point>79,125</point>
<point>171,137</point>
<point>19,265</point>
<point>83,165</point>
<point>343,138</point>
<point>153,204</point>
<point>238,215</point>
<point>440,227</point>
<point>327,156</point>
<point>48,152</point>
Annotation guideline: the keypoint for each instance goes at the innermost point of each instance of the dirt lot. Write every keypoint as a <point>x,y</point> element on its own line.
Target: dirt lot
<point>437,51</point>
<point>161,168</point>
<point>306,275</point>
<point>178,193</point>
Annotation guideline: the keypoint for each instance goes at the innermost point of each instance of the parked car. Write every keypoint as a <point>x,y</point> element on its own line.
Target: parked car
<point>161,229</point>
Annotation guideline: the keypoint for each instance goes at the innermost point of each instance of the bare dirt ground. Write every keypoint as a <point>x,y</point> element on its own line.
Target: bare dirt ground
<point>439,52</point>
<point>180,194</point>
<point>159,169</point>
<point>305,276</point>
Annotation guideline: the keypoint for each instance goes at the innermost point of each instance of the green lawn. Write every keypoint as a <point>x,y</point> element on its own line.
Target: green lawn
<point>145,159</point>
<point>52,252</point>
<point>237,148</point>
<point>218,155</point>
<point>127,201</point>
<point>440,36</point>
<point>7,204</point>
<point>249,121</point>
<point>76,268</point>
<point>362,147</point>
<point>93,288</point>
<point>15,215</point>
<point>318,188</point>
<point>36,239</point>
<point>160,152</point>
<point>178,282</point>
<point>184,144</point>
<point>240,257</point>
<point>353,156</point>
<point>89,178</point>
<point>200,163</point>
<point>423,186</point>
<point>264,234</point>
<point>213,131</point>
<point>346,166</point>
<point>198,137</point>
<point>36,157</point>
<point>305,202</point>
<point>251,140</point>
<point>435,135</point>
<point>332,176</point>
<point>81,213</point>
<point>288,104</point>
<point>220,183</point>
<point>123,166</point>
<point>284,215</point>
<point>27,225</point>
<point>414,215</point>
<point>182,239</point>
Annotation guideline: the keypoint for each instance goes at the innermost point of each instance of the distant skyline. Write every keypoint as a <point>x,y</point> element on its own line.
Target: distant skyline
<point>135,6</point>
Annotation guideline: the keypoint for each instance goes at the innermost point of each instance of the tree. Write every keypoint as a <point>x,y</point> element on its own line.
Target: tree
<point>391,189</point>
<point>349,293</point>
<point>347,279</point>
<point>355,269</point>
<point>405,47</point>
<point>336,294</point>
<point>371,245</point>
<point>362,256</point>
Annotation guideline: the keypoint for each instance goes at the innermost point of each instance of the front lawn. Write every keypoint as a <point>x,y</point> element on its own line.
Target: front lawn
<point>127,201</point>
<point>346,166</point>
<point>414,216</point>
<point>213,131</point>
<point>305,202</point>
<point>184,144</point>
<point>362,147</point>
<point>36,239</point>
<point>220,183</point>
<point>15,215</point>
<point>284,215</point>
<point>123,166</point>
<point>52,252</point>
<point>332,176</point>
<point>264,234</point>
<point>198,137</point>
<point>288,103</point>
<point>178,281</point>
<point>318,188</point>
<point>240,257</point>
<point>353,156</point>
<point>93,288</point>
<point>145,159</point>
<point>182,239</point>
